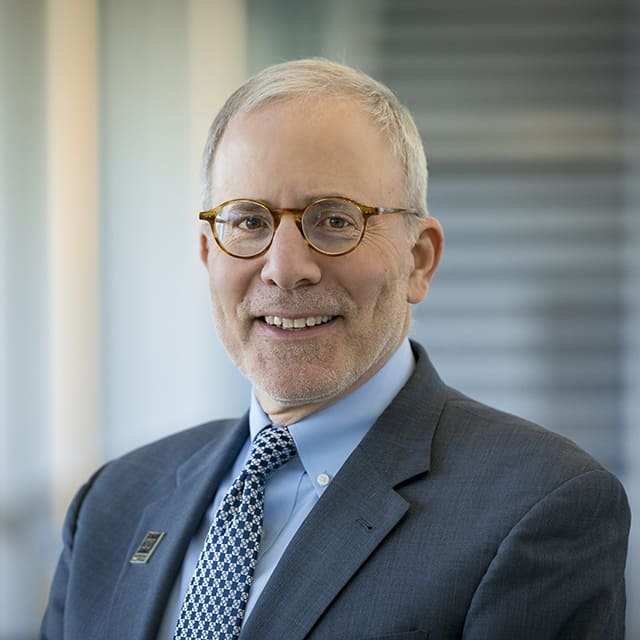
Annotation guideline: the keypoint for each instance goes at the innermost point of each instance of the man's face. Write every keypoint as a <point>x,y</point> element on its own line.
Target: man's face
<point>287,155</point>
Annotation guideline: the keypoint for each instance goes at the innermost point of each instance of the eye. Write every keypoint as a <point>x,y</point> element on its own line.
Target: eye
<point>336,221</point>
<point>247,217</point>
<point>251,223</point>
<point>335,217</point>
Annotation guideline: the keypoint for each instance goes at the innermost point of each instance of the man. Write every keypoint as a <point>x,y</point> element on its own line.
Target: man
<point>394,507</point>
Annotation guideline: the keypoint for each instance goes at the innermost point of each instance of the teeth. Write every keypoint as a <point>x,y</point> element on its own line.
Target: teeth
<point>296,323</point>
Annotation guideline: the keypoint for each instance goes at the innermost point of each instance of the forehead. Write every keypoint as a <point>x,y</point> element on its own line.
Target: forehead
<point>306,148</point>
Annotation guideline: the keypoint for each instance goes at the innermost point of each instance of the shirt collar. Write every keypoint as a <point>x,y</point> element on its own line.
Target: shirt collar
<point>326,439</point>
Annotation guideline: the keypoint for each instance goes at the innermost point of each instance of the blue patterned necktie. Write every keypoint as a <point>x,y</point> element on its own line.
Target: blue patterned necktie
<point>217,596</point>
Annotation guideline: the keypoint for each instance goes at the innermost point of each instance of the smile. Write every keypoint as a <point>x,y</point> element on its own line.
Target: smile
<point>296,323</point>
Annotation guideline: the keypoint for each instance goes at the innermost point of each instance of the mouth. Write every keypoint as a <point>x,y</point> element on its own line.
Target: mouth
<point>296,324</point>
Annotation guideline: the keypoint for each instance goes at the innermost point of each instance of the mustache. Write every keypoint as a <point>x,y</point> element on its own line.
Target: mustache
<point>297,301</point>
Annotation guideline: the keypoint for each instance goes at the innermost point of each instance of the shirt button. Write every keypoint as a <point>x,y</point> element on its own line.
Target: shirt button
<point>323,479</point>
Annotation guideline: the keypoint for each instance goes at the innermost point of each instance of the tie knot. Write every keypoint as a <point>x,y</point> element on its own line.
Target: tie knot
<point>272,447</point>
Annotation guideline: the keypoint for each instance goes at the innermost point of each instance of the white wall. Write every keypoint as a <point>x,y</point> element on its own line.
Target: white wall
<point>106,340</point>
<point>24,317</point>
<point>164,369</point>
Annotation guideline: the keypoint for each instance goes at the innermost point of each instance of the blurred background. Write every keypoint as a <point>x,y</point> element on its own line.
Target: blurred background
<point>530,116</point>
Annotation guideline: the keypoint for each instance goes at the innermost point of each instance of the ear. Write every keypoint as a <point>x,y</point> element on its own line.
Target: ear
<point>426,251</point>
<point>204,248</point>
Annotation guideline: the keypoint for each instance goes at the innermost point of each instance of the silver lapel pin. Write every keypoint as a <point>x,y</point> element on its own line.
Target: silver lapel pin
<point>147,547</point>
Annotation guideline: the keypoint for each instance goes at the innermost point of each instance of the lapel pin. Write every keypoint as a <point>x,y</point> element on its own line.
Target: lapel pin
<point>147,547</point>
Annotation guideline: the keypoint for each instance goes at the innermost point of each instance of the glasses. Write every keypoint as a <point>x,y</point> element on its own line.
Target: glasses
<point>332,226</point>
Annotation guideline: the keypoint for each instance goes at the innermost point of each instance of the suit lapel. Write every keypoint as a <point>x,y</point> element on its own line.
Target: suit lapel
<point>356,513</point>
<point>143,589</point>
<point>347,524</point>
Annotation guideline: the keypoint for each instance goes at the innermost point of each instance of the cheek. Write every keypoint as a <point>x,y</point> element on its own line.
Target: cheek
<point>383,272</point>
<point>228,283</point>
<point>378,291</point>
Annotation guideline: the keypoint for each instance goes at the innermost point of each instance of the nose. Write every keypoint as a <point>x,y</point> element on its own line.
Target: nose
<point>290,262</point>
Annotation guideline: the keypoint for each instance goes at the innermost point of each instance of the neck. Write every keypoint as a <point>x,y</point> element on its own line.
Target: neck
<point>285,414</point>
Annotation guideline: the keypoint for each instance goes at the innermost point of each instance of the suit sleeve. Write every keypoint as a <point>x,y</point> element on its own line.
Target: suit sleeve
<point>559,574</point>
<point>52,627</point>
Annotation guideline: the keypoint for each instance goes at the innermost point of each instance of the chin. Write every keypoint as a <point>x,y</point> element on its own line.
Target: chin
<point>295,398</point>
<point>291,389</point>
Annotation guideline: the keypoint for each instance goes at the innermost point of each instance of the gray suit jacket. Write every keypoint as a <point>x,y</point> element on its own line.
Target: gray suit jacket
<point>449,520</point>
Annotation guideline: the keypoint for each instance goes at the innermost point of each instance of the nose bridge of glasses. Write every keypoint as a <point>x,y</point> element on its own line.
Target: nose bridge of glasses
<point>297,214</point>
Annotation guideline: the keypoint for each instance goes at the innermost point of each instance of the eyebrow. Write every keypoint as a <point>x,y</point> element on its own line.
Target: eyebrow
<point>311,198</point>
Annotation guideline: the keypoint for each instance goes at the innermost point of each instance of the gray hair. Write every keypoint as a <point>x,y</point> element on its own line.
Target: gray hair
<point>313,78</point>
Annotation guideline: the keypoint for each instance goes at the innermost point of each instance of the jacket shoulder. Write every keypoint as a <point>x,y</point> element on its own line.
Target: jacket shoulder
<point>175,448</point>
<point>152,470</point>
<point>510,459</point>
<point>163,458</point>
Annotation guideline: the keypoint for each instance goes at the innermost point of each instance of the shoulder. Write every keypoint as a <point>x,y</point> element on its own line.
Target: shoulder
<point>467,433</point>
<point>497,461</point>
<point>511,466</point>
<point>506,438</point>
<point>150,471</point>
<point>170,451</point>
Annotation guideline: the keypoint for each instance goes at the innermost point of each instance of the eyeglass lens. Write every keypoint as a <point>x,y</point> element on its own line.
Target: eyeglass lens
<point>331,225</point>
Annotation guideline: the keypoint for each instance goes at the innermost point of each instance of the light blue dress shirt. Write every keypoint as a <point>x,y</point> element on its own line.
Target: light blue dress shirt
<point>324,441</point>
